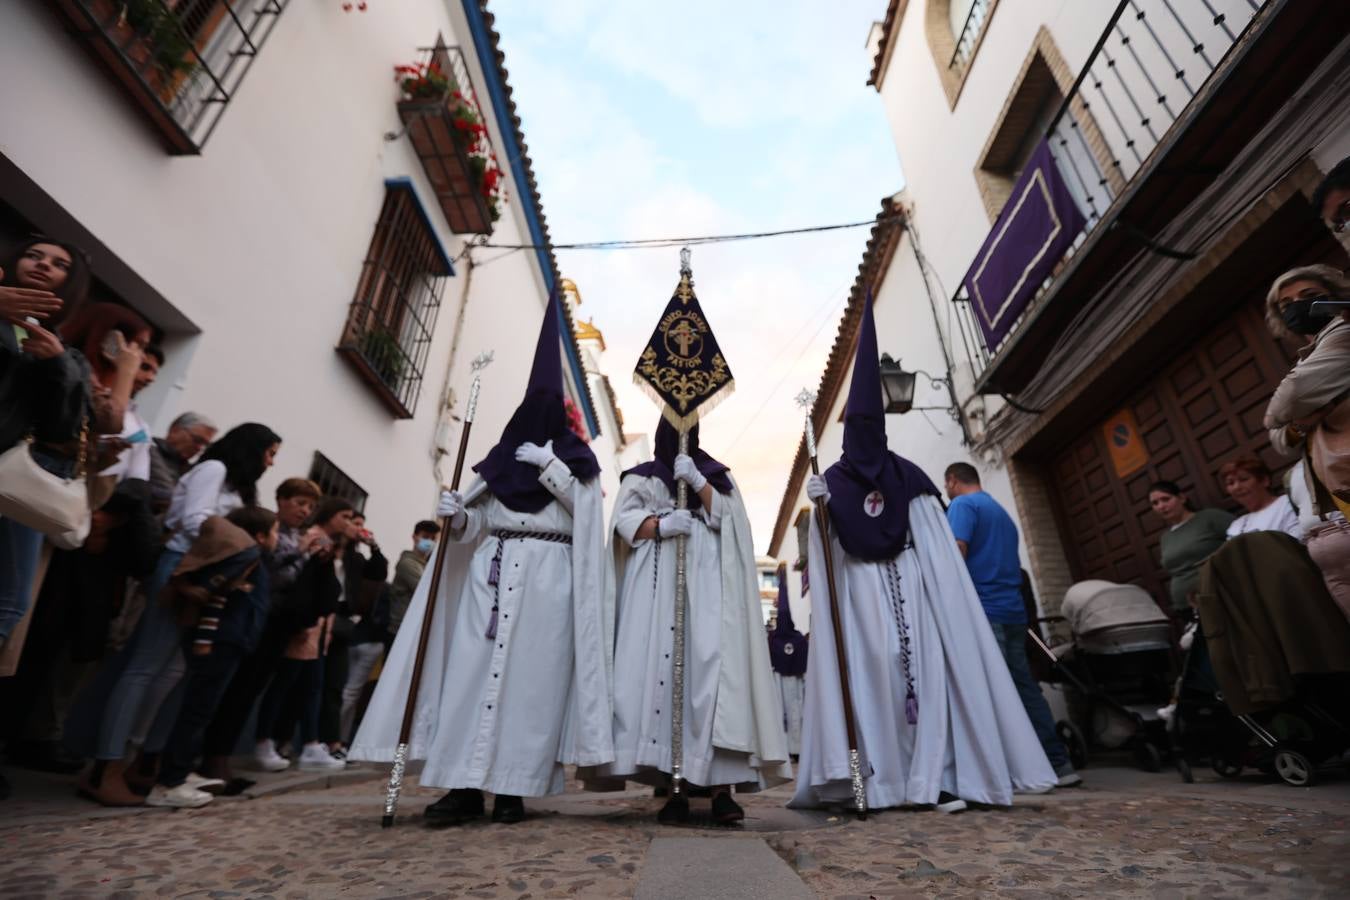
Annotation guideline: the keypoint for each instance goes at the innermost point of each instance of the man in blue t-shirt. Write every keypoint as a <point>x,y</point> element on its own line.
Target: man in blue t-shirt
<point>987,538</point>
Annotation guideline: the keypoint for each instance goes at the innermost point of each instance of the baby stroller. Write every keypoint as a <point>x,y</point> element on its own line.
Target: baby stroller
<point>1264,684</point>
<point>1120,665</point>
<point>1288,740</point>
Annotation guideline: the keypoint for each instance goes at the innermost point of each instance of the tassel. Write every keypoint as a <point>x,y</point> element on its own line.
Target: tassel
<point>492,624</point>
<point>911,708</point>
<point>495,573</point>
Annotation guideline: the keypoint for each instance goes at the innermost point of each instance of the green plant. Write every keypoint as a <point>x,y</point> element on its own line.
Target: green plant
<point>154,21</point>
<point>382,351</point>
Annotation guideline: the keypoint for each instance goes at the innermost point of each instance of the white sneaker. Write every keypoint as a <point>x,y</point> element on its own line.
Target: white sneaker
<point>268,759</point>
<point>202,783</point>
<point>181,797</point>
<point>316,758</point>
<point>1070,779</point>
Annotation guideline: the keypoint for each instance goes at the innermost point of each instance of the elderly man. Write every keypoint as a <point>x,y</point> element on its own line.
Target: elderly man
<point>171,455</point>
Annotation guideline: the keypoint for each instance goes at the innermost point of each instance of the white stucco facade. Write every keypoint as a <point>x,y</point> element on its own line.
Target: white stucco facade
<point>258,242</point>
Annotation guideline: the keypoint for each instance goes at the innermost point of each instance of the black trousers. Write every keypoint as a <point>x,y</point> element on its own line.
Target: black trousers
<point>335,666</point>
<point>250,681</point>
<point>205,684</point>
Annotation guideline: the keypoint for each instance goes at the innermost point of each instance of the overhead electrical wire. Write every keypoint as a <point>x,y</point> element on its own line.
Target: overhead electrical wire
<point>692,241</point>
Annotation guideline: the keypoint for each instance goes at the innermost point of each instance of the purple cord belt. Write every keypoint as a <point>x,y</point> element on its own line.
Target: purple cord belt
<point>494,574</point>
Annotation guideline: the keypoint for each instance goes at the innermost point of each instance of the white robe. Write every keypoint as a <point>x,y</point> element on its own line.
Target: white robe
<point>733,732</point>
<point>973,738</point>
<point>506,714</point>
<point>792,693</point>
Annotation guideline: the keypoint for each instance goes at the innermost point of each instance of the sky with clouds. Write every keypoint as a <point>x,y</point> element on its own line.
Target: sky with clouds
<point>658,120</point>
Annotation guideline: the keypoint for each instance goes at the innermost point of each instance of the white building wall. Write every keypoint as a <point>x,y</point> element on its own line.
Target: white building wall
<point>259,241</point>
<point>940,147</point>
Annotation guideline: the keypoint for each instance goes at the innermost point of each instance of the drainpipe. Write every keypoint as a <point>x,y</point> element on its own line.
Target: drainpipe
<point>447,400</point>
<point>937,325</point>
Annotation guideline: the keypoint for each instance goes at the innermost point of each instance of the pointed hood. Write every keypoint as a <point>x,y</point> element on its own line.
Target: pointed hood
<point>871,487</point>
<point>864,392</point>
<point>546,373</point>
<point>787,646</point>
<point>540,418</point>
<point>663,465</point>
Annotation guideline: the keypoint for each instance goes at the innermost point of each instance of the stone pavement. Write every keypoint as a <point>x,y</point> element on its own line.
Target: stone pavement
<point>1125,834</point>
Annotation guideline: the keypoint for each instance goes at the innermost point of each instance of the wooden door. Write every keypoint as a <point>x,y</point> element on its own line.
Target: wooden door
<point>1200,411</point>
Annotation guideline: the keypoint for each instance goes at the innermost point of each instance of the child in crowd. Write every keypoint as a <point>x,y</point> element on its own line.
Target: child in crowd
<point>220,590</point>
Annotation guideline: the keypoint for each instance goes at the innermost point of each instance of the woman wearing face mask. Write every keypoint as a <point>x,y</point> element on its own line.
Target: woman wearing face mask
<point>1314,394</point>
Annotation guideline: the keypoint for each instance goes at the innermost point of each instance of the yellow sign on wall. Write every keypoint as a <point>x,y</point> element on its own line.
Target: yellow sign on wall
<point>1128,453</point>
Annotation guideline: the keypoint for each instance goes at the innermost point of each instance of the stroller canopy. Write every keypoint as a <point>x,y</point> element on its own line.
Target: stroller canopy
<point>1092,606</point>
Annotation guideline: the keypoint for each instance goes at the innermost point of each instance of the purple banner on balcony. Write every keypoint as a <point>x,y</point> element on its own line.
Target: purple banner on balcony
<point>1039,222</point>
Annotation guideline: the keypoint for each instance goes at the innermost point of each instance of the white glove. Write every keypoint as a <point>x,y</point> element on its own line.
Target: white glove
<point>817,489</point>
<point>451,506</point>
<point>681,521</point>
<point>687,471</point>
<point>535,455</point>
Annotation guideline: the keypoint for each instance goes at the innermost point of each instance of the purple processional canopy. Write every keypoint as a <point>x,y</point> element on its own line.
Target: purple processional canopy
<point>1037,225</point>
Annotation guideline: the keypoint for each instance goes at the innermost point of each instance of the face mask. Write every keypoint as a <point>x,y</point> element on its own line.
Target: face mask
<point>425,546</point>
<point>1300,318</point>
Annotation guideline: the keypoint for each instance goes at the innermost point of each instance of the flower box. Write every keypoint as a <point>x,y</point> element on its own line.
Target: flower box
<point>443,147</point>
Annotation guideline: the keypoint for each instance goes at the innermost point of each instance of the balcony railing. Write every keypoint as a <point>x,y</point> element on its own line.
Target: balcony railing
<point>180,61</point>
<point>970,33</point>
<point>1152,61</point>
<point>450,137</point>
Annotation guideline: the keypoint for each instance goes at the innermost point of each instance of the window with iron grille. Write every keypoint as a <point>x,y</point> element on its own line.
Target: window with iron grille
<point>336,483</point>
<point>387,338</point>
<point>180,61</point>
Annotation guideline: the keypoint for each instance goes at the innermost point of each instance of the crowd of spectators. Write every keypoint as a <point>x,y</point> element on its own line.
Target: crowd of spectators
<point>183,609</point>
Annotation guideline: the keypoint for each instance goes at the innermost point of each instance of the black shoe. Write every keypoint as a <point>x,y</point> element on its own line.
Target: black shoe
<point>455,808</point>
<point>236,786</point>
<point>950,803</point>
<point>675,812</point>
<point>508,810</point>
<point>725,810</point>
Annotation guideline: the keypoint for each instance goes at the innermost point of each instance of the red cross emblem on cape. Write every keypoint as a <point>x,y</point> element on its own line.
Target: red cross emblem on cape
<point>874,504</point>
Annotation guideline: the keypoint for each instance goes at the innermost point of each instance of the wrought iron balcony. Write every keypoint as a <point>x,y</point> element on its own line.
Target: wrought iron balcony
<point>1151,73</point>
<point>970,33</point>
<point>180,61</point>
<point>442,118</point>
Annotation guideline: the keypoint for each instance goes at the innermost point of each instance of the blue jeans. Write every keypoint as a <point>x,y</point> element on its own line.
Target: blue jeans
<point>147,654</point>
<point>1012,641</point>
<point>20,548</point>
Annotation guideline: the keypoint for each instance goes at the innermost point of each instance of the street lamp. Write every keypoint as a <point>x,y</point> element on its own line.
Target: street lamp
<point>898,386</point>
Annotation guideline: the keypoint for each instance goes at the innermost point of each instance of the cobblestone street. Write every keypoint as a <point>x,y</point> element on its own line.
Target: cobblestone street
<point>1126,834</point>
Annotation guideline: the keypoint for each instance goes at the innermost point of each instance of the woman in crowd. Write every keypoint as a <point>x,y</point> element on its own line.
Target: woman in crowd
<point>1249,482</point>
<point>44,389</point>
<point>1317,388</point>
<point>311,606</point>
<point>1191,536</point>
<point>225,479</point>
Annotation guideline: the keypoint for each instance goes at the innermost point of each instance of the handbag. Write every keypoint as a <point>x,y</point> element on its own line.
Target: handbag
<point>30,495</point>
<point>1329,449</point>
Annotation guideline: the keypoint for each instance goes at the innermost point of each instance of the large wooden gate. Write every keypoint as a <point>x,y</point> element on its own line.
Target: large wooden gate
<point>1204,408</point>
